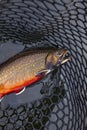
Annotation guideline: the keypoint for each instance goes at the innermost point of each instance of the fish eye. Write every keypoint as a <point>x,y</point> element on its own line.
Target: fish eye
<point>67,55</point>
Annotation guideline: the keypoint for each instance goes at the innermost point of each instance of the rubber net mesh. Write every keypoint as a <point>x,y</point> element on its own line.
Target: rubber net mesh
<point>56,23</point>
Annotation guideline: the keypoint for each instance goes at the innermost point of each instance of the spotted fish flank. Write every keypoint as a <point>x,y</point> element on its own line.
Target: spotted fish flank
<point>27,68</point>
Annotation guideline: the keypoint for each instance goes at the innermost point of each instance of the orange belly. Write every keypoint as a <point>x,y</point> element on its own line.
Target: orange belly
<point>18,87</point>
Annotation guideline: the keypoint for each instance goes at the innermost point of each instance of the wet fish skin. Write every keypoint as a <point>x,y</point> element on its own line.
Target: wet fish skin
<point>22,69</point>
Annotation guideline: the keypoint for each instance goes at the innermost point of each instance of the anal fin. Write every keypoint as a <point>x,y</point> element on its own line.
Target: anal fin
<point>20,91</point>
<point>43,72</point>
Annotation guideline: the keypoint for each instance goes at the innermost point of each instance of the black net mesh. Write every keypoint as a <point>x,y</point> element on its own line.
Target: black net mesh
<point>56,23</point>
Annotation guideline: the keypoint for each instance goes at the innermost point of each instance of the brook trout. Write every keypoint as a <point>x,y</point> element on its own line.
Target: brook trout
<point>27,68</point>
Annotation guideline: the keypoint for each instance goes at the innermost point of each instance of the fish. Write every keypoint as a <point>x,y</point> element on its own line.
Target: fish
<point>29,67</point>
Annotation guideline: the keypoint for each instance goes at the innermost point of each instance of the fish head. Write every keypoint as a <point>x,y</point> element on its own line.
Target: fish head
<point>56,58</point>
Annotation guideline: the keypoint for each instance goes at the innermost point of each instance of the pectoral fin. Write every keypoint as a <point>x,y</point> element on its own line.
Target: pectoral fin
<point>43,72</point>
<point>20,91</point>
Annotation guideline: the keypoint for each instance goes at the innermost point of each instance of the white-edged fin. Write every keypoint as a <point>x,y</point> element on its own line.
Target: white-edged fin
<point>44,72</point>
<point>1,99</point>
<point>48,71</point>
<point>20,92</point>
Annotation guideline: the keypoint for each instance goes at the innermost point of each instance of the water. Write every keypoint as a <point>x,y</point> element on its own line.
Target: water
<point>31,109</point>
<point>67,21</point>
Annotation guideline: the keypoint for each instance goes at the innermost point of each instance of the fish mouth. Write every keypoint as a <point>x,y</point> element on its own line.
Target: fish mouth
<point>65,57</point>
